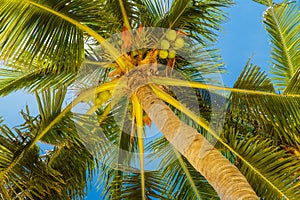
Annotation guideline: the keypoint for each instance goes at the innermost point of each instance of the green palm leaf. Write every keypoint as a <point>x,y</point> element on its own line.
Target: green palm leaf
<point>31,80</point>
<point>118,177</point>
<point>199,19</point>
<point>152,12</point>
<point>293,87</point>
<point>281,22</point>
<point>204,63</point>
<point>279,119</point>
<point>69,152</point>
<point>276,116</point>
<point>127,185</point>
<point>31,178</point>
<point>72,155</point>
<point>124,12</point>
<point>252,78</point>
<point>280,168</point>
<point>30,35</point>
<point>258,126</point>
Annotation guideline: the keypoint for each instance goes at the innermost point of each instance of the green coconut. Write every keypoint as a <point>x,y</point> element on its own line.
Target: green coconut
<point>172,53</point>
<point>164,44</point>
<point>163,54</point>
<point>171,35</point>
<point>179,43</point>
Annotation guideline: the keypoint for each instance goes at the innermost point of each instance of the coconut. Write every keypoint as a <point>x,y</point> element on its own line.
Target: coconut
<point>179,43</point>
<point>172,53</point>
<point>164,44</point>
<point>171,35</point>
<point>163,54</point>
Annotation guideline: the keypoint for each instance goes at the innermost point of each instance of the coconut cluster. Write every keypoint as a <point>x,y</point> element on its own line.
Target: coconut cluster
<point>170,44</point>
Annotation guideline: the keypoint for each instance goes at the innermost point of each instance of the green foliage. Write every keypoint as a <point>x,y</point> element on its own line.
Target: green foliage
<point>31,80</point>
<point>280,169</point>
<point>262,129</point>
<point>282,24</point>
<point>293,86</point>
<point>199,19</point>
<point>34,175</point>
<point>43,54</point>
<point>272,118</point>
<point>31,177</point>
<point>31,36</point>
<point>113,7</point>
<point>126,185</point>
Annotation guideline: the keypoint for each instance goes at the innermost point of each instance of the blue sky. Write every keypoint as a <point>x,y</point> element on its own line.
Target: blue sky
<point>243,35</point>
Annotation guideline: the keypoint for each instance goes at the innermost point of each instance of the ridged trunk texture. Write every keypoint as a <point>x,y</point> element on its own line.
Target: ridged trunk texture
<point>225,178</point>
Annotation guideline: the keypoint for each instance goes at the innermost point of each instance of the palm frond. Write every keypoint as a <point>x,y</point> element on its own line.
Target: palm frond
<point>68,146</point>
<point>32,80</point>
<point>76,164</point>
<point>280,169</point>
<point>94,69</point>
<point>152,12</point>
<point>252,78</point>
<point>198,18</point>
<point>76,145</point>
<point>276,116</point>
<point>97,16</point>
<point>282,24</point>
<point>31,35</point>
<point>199,63</point>
<point>50,105</point>
<point>293,86</point>
<point>53,122</point>
<point>79,128</point>
<point>114,148</point>
<point>116,7</point>
<point>127,185</point>
<point>118,178</point>
<point>31,178</point>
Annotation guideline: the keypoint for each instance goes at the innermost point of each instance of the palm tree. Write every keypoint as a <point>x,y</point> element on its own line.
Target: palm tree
<point>45,43</point>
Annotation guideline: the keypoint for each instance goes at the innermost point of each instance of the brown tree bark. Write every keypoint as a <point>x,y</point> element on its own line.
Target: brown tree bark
<point>225,178</point>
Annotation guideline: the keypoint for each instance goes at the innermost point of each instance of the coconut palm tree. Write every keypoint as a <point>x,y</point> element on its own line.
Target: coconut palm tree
<point>52,47</point>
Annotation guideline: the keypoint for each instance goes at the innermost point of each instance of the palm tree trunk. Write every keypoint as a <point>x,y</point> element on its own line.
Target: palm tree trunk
<point>225,178</point>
